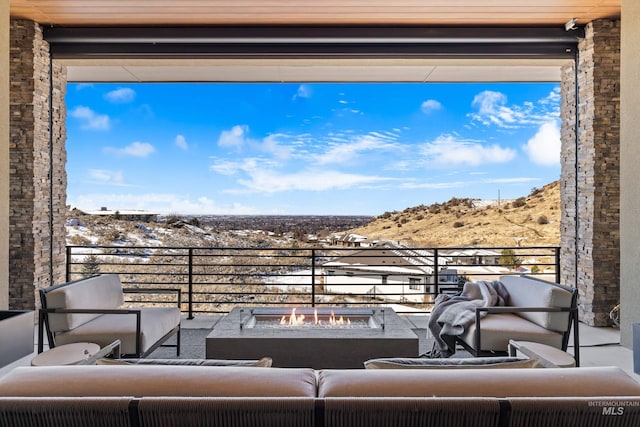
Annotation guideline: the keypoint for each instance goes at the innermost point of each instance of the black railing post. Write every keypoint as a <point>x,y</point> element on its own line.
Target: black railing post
<point>557,267</point>
<point>190,315</point>
<point>313,277</point>
<point>436,274</point>
<point>68,270</point>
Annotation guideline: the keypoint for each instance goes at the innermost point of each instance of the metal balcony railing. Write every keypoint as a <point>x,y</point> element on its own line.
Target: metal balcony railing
<point>214,280</point>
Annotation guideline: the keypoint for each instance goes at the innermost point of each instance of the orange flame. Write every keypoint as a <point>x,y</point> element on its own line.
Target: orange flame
<point>298,320</point>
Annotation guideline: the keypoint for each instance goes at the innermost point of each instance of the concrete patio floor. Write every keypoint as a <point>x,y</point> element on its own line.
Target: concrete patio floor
<point>598,346</point>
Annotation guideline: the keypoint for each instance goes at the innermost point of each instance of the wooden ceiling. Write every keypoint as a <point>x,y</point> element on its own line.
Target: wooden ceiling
<point>313,12</point>
<point>443,13</point>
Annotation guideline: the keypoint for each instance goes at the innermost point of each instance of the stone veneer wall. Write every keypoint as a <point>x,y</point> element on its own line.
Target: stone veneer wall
<point>597,256</point>
<point>30,236</point>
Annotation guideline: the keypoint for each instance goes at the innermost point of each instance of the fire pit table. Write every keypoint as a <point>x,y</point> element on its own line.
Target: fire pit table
<point>322,338</point>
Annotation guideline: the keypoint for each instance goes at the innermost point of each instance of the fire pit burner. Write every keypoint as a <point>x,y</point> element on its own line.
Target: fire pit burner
<point>252,333</point>
<point>327,318</point>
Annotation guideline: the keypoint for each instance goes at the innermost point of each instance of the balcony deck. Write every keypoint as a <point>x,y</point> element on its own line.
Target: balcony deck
<point>598,346</point>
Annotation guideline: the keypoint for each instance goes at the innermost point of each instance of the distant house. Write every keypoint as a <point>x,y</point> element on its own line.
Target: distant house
<point>472,256</point>
<point>350,240</point>
<point>388,271</point>
<point>126,214</point>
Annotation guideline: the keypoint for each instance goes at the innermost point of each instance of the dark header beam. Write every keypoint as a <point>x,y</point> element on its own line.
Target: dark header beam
<point>202,42</point>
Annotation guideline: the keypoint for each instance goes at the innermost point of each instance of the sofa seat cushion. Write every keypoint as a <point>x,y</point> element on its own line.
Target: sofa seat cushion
<point>600,381</point>
<point>99,292</point>
<point>155,323</point>
<point>498,329</point>
<point>528,292</point>
<point>158,380</point>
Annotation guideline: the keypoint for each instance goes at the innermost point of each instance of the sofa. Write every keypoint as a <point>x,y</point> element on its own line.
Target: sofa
<point>240,396</point>
<point>93,310</point>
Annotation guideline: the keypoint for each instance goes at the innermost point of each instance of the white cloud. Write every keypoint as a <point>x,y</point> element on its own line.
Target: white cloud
<point>446,151</point>
<point>488,102</point>
<point>261,175</point>
<point>430,105</point>
<point>304,91</point>
<point>181,142</point>
<point>227,168</point>
<point>544,147</point>
<point>234,137</point>
<point>272,145</point>
<point>91,120</point>
<point>107,177</point>
<point>268,181</point>
<point>462,184</point>
<point>345,152</point>
<point>120,95</point>
<point>493,110</point>
<point>135,149</point>
<point>161,203</point>
<point>554,97</point>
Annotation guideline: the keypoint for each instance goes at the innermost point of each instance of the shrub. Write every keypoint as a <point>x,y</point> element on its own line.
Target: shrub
<point>458,224</point>
<point>90,266</point>
<point>519,202</point>
<point>79,240</point>
<point>542,219</point>
<point>510,259</point>
<point>172,219</point>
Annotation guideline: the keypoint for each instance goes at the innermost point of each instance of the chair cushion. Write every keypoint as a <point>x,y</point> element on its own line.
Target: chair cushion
<point>498,329</point>
<point>98,292</point>
<point>527,292</point>
<point>155,323</point>
<point>451,363</point>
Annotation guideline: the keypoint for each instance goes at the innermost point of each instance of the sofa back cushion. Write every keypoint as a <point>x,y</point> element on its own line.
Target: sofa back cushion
<point>526,382</point>
<point>158,380</point>
<point>527,292</point>
<point>98,292</point>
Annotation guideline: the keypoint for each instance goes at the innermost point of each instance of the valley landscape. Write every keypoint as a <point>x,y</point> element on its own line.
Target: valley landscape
<point>531,220</point>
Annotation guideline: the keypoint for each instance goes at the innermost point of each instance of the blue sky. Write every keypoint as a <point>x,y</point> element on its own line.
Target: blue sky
<point>324,149</point>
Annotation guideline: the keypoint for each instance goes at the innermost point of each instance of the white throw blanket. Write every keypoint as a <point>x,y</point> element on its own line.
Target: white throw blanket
<point>451,315</point>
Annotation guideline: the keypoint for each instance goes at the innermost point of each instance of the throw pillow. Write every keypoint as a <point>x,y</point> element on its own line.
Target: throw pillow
<point>451,363</point>
<point>265,362</point>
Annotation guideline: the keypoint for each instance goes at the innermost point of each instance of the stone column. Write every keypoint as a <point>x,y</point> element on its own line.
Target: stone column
<point>4,155</point>
<point>596,259</point>
<point>36,243</point>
